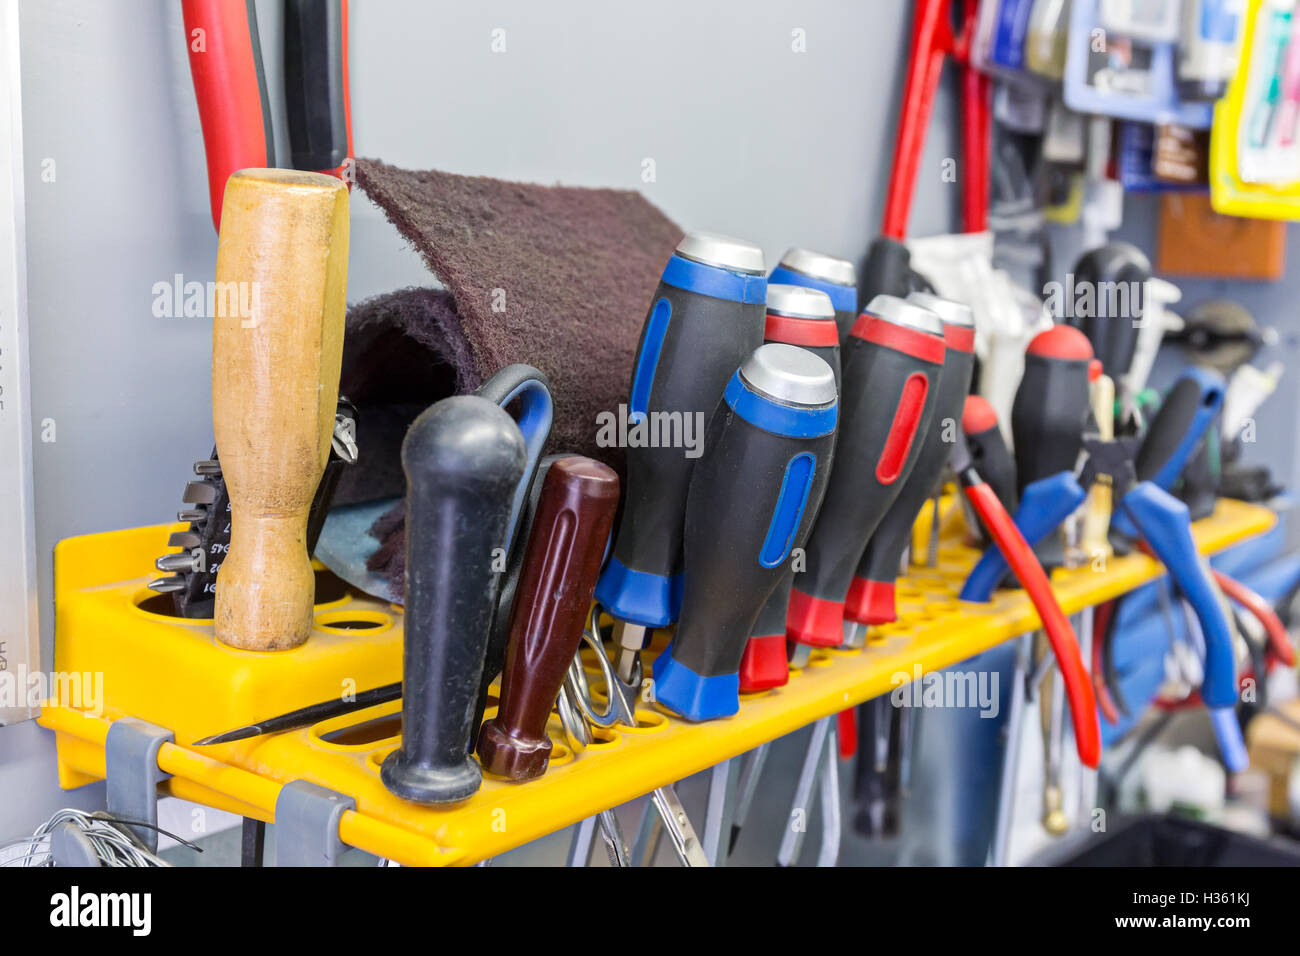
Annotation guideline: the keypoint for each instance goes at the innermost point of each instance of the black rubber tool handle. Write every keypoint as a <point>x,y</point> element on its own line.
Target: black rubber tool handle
<point>316,84</point>
<point>751,500</point>
<point>887,271</point>
<point>463,459</point>
<point>871,596</point>
<point>1115,277</point>
<point>891,368</point>
<point>705,318</point>
<point>1051,407</point>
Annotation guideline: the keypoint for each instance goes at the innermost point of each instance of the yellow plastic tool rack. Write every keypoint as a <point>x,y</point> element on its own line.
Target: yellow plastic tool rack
<point>168,682</point>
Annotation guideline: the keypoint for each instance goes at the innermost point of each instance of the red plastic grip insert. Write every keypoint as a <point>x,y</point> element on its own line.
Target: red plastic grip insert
<point>903,431</point>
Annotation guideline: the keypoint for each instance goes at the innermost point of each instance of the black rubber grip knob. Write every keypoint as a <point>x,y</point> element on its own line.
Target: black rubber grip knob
<point>891,368</point>
<point>1051,406</point>
<point>463,459</point>
<point>871,596</point>
<point>705,318</point>
<point>1114,277</point>
<point>762,476</point>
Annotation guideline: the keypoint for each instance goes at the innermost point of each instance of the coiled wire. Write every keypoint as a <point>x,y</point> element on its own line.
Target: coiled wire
<point>112,845</point>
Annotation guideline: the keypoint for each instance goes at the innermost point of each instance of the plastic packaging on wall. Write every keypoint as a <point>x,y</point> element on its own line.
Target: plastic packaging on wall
<point>1254,146</point>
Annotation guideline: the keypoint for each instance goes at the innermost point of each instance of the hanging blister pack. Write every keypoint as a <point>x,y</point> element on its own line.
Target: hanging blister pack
<point>1137,162</point>
<point>1132,77</point>
<point>1255,142</point>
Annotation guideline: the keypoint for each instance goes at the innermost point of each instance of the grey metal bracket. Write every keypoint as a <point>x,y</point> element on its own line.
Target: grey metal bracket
<point>131,759</point>
<point>307,824</point>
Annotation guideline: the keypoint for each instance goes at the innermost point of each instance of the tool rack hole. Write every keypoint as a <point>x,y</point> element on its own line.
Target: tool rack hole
<point>603,738</point>
<point>354,621</point>
<point>153,604</point>
<point>331,591</point>
<point>365,734</point>
<point>647,722</point>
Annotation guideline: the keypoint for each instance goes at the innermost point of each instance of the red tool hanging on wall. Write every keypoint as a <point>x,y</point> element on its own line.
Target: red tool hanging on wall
<point>934,42</point>
<point>230,85</point>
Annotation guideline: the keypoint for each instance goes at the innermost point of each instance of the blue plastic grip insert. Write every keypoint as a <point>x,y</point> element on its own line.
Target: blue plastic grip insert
<point>787,514</point>
<point>643,379</point>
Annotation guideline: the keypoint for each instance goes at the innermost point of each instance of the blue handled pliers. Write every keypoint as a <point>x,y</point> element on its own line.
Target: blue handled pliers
<point>1164,523</point>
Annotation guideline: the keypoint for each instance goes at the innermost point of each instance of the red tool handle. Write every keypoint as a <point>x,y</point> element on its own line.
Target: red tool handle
<point>1279,641</point>
<point>1020,557</point>
<point>226,65</point>
<point>933,41</point>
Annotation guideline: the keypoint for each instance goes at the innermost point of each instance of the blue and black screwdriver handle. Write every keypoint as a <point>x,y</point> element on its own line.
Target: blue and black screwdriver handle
<point>806,318</point>
<point>1160,519</point>
<point>705,319</point>
<point>752,495</point>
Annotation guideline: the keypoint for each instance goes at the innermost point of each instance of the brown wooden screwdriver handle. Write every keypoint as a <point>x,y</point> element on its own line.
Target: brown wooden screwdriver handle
<point>570,529</point>
<point>282,258</point>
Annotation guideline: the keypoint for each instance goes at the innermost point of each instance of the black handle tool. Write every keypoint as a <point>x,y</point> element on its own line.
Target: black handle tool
<point>463,459</point>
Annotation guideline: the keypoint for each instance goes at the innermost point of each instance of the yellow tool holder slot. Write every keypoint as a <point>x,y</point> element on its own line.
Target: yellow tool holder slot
<point>172,672</point>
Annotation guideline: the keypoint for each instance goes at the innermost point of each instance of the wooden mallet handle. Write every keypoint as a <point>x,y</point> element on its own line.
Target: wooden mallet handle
<point>282,259</point>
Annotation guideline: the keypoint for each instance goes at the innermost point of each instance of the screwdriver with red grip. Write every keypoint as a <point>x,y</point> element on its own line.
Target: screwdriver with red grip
<point>891,366</point>
<point>871,596</point>
<point>806,318</point>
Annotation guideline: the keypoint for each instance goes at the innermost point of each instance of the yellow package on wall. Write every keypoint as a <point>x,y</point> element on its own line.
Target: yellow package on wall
<point>1254,143</point>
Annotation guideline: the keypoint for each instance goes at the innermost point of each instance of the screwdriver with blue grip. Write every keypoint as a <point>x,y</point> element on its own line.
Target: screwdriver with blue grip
<point>1159,519</point>
<point>805,317</point>
<point>752,498</point>
<point>706,316</point>
<point>834,276</point>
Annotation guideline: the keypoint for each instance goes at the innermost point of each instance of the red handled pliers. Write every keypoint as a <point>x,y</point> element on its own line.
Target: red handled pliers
<point>230,86</point>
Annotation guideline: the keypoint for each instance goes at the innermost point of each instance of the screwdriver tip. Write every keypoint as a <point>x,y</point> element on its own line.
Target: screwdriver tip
<point>228,737</point>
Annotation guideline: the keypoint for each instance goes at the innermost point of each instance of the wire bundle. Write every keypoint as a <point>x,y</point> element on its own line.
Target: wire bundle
<point>112,845</point>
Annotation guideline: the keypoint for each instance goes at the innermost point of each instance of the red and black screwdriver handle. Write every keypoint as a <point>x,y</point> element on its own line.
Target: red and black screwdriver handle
<point>463,457</point>
<point>892,362</point>
<point>752,495</point>
<point>571,526</point>
<point>1051,408</point>
<point>702,323</point>
<point>870,599</point>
